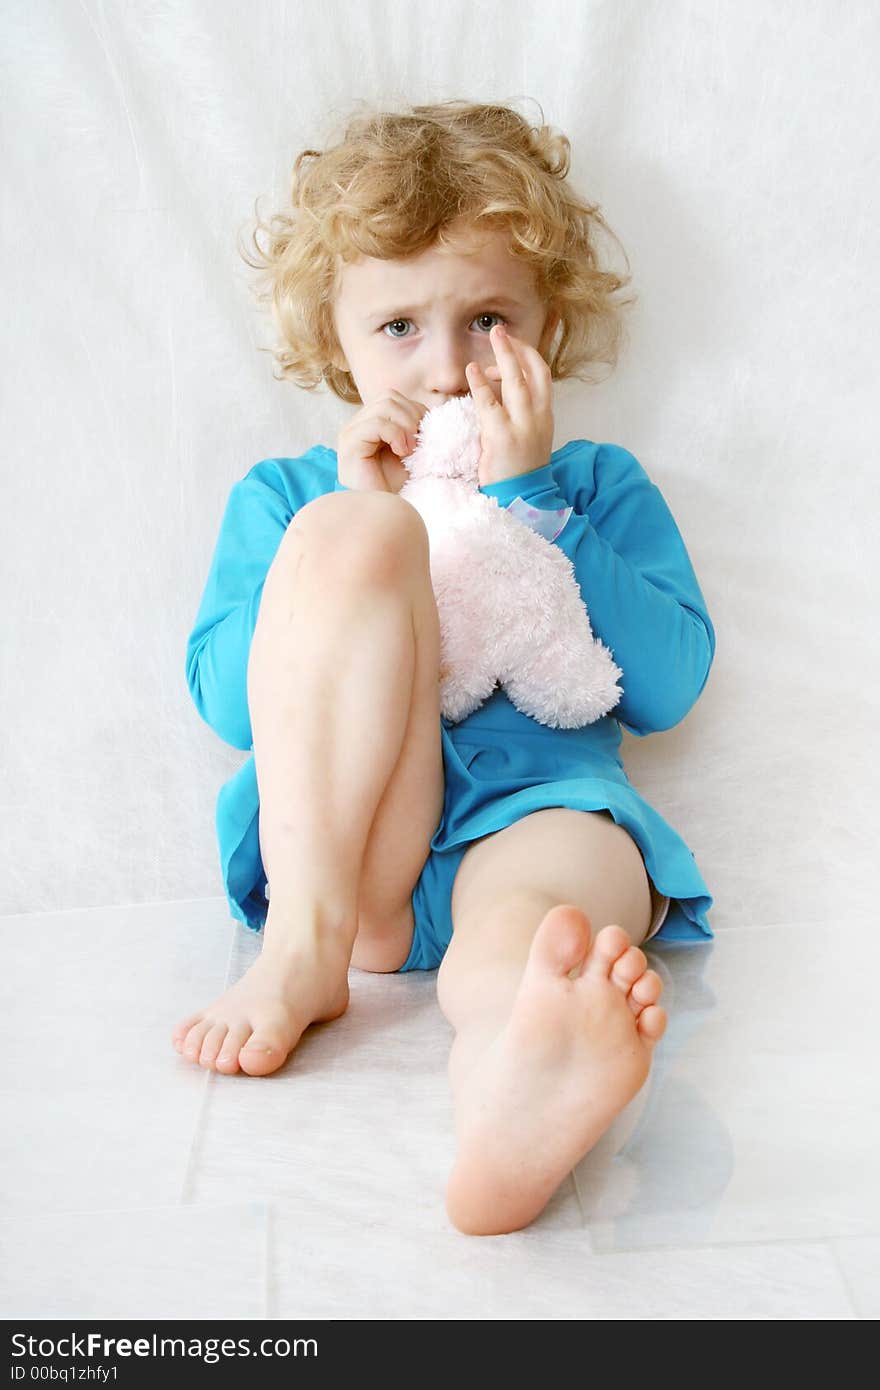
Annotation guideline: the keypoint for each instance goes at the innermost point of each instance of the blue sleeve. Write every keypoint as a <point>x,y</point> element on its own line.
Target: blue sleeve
<point>253,526</point>
<point>634,573</point>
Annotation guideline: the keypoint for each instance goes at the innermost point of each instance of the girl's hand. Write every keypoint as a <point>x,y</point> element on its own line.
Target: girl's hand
<point>517,431</point>
<point>374,441</point>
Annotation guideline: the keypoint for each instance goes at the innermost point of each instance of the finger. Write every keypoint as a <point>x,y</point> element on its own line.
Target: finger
<point>413,410</point>
<point>395,473</point>
<point>481,390</point>
<point>534,369</point>
<point>409,416</point>
<point>492,371</point>
<point>390,429</point>
<point>403,441</point>
<point>538,371</point>
<point>506,355</point>
<point>515,394</point>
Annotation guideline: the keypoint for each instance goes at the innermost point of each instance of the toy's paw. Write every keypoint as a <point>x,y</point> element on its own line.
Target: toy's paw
<point>458,699</point>
<point>566,688</point>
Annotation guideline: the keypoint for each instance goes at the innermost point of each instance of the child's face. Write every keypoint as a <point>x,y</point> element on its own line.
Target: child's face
<point>413,325</point>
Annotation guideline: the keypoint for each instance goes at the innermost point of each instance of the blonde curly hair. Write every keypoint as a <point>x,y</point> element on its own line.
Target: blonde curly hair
<point>399,182</point>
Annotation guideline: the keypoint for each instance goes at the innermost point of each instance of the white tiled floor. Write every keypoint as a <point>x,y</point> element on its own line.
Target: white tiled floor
<point>740,1183</point>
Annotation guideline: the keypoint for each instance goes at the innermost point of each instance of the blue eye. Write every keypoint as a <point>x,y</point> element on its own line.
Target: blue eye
<point>489,314</point>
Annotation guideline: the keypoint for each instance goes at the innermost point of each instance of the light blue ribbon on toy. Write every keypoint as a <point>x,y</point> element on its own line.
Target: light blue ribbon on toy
<point>547,524</point>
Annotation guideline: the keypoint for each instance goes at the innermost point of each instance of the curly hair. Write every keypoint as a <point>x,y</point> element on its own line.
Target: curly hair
<point>399,182</point>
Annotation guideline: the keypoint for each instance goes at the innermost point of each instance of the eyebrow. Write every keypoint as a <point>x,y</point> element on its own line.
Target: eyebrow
<point>504,300</point>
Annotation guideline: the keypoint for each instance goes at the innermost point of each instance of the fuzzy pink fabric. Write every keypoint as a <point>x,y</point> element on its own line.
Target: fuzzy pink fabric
<point>511,612</point>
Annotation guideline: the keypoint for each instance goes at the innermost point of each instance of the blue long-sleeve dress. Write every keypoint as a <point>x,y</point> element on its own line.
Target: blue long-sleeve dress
<point>644,603</point>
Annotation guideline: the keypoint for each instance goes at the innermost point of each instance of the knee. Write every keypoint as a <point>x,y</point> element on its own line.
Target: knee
<point>375,536</point>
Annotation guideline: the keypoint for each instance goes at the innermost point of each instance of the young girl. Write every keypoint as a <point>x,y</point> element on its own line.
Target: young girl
<point>429,254</point>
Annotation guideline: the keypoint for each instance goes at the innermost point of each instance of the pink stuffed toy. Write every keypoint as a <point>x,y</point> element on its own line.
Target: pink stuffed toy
<point>510,608</point>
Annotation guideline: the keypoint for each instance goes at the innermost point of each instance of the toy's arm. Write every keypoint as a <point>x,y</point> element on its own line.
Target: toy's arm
<point>634,573</point>
<point>218,647</point>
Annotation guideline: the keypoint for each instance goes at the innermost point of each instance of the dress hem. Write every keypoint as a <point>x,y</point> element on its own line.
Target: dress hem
<point>681,882</point>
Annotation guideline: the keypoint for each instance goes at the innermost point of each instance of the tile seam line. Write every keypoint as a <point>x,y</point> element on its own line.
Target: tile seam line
<point>210,1076</point>
<point>109,907</point>
<point>848,919</point>
<point>831,1242</point>
<point>56,1213</point>
<point>758,1244</point>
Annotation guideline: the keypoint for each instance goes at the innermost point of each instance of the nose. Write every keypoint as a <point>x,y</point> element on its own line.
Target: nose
<point>446,377</point>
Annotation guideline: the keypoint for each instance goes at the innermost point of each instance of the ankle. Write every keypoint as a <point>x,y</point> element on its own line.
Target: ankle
<point>313,932</point>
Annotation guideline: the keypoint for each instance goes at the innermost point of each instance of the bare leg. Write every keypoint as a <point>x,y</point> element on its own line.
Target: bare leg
<point>555,1020</point>
<point>540,1074</point>
<point>330,680</point>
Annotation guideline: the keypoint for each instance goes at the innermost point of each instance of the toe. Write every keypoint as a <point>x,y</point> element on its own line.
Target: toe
<point>651,1023</point>
<point>264,1052</point>
<point>610,944</point>
<point>235,1040</point>
<point>646,990</point>
<point>628,967</point>
<point>561,941</point>
<point>192,1043</point>
<point>211,1044</point>
<point>179,1035</point>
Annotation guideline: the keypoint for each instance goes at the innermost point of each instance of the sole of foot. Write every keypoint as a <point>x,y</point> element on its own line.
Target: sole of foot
<point>575,1050</point>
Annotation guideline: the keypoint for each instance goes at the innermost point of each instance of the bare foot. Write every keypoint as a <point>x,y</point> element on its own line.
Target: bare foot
<point>256,1024</point>
<point>573,1053</point>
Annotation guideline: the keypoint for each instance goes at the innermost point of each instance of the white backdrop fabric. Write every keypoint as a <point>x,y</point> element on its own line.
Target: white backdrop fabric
<point>733,149</point>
